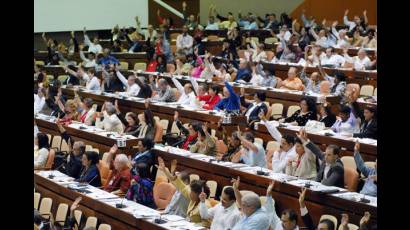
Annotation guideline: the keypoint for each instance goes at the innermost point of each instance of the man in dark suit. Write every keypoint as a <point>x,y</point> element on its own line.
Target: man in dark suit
<point>369,127</point>
<point>254,109</point>
<point>331,171</point>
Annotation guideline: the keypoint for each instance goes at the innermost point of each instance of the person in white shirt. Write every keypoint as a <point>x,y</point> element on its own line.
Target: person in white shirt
<point>225,214</point>
<point>214,68</point>
<point>360,62</point>
<point>178,204</point>
<point>331,58</point>
<point>39,100</point>
<point>257,79</point>
<point>284,33</point>
<point>92,46</point>
<point>41,150</point>
<point>87,62</point>
<point>289,217</point>
<point>342,39</point>
<point>357,21</point>
<point>252,153</point>
<point>111,122</point>
<point>287,149</point>
<point>187,97</point>
<point>212,25</point>
<point>132,88</point>
<point>80,74</point>
<point>321,39</point>
<point>150,34</point>
<point>257,53</point>
<point>185,42</point>
<point>94,83</point>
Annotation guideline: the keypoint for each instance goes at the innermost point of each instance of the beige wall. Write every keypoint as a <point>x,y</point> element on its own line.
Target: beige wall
<point>260,7</point>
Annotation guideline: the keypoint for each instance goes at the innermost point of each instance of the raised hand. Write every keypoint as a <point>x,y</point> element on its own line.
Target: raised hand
<point>184,5</point>
<point>334,23</point>
<point>161,164</point>
<point>270,188</point>
<point>324,22</point>
<point>114,148</point>
<point>302,135</point>
<point>75,205</point>
<point>202,196</point>
<point>357,146</point>
<point>176,115</point>
<point>365,12</point>
<point>235,183</point>
<point>345,220</point>
<point>346,12</point>
<point>365,219</point>
<point>116,105</point>
<point>302,197</point>
<point>174,163</point>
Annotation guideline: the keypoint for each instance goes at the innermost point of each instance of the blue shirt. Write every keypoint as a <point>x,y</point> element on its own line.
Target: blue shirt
<point>251,26</point>
<point>258,220</point>
<point>91,176</point>
<point>255,159</point>
<point>241,73</point>
<point>108,60</point>
<point>230,103</point>
<point>369,187</point>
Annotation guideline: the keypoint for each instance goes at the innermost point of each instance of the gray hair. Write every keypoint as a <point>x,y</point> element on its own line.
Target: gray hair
<point>251,199</point>
<point>122,158</point>
<point>110,108</point>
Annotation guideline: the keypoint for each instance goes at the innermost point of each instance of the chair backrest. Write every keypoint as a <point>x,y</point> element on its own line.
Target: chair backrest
<point>49,139</point>
<point>375,92</point>
<point>213,185</point>
<point>213,38</point>
<point>263,200</point>
<point>351,178</point>
<point>348,162</point>
<point>221,147</point>
<point>78,214</point>
<point>61,214</point>
<point>40,62</point>
<point>140,66</point>
<point>156,118</point>
<point>259,140</point>
<point>104,227</point>
<point>331,218</point>
<point>174,128</point>
<point>96,150</point>
<point>164,123</point>
<point>64,146</point>
<point>273,145</point>
<point>62,78</point>
<point>213,202</point>
<point>277,110</point>
<point>353,86</point>
<point>193,177</point>
<point>88,148</point>
<point>366,90</point>
<point>269,55</point>
<point>173,36</point>
<point>271,40</point>
<point>50,77</point>
<point>123,65</point>
<point>213,133</point>
<point>350,226</point>
<point>50,159</point>
<point>91,222</point>
<point>256,39</point>
<point>56,143</point>
<point>37,197</point>
<point>45,206</point>
<point>159,131</point>
<point>163,193</point>
<point>292,109</point>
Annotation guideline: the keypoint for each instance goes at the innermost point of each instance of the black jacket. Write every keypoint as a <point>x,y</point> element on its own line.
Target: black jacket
<point>368,130</point>
<point>335,175</point>
<point>329,120</point>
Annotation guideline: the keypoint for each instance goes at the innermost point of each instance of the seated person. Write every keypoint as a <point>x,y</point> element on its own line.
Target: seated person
<point>292,82</point>
<point>370,185</point>
<point>144,157</point>
<point>211,99</point>
<point>286,150</point>
<point>191,192</point>
<point>141,189</point>
<point>369,127</point>
<point>303,165</point>
<point>252,153</point>
<point>326,115</point>
<point>254,109</point>
<point>41,150</point>
<point>129,121</point>
<point>165,94</point>
<point>190,134</point>
<point>131,88</point>
<point>147,125</point>
<point>243,72</point>
<point>331,171</point>
<point>120,177</point>
<point>179,203</point>
<point>205,143</point>
<point>346,123</point>
<point>70,111</point>
<point>110,122</point>
<point>225,214</point>
<point>90,173</point>
<point>234,146</point>
<point>187,97</point>
<point>231,101</point>
<point>254,216</point>
<point>88,113</point>
<point>306,112</point>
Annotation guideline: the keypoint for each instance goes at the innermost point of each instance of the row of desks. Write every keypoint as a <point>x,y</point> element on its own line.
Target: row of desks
<point>285,195</point>
<point>166,112</point>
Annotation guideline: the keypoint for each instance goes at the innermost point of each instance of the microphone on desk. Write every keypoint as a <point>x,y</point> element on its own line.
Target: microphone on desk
<point>364,200</point>
<point>262,173</point>
<point>51,175</point>
<point>121,205</point>
<point>89,182</point>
